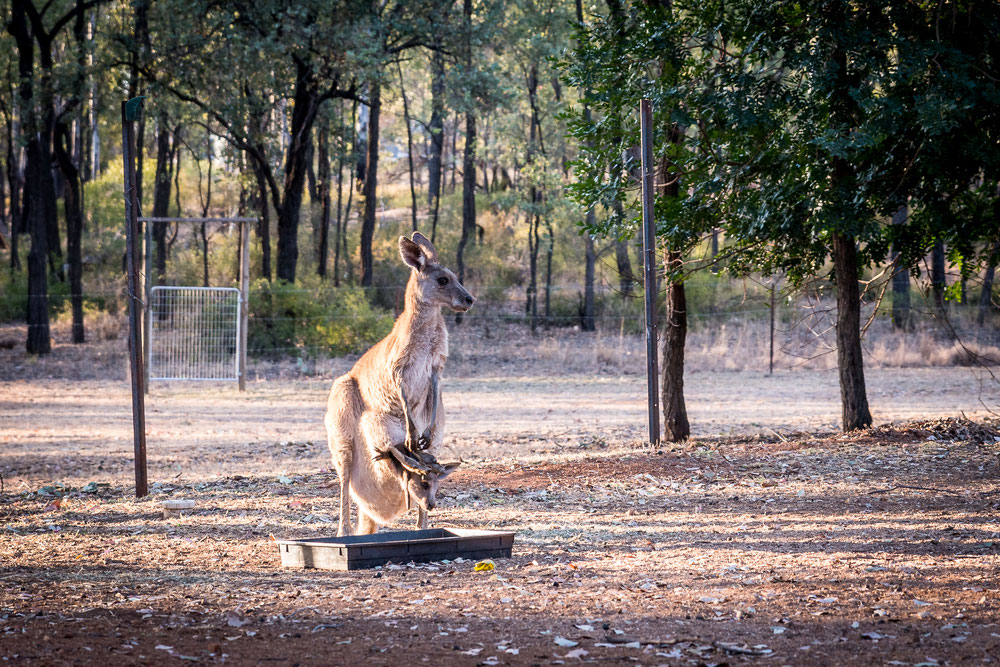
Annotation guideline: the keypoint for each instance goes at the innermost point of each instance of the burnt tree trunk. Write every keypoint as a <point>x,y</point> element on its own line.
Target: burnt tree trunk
<point>370,187</point>
<point>850,362</point>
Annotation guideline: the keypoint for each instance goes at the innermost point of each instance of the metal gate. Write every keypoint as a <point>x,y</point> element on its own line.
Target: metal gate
<point>194,333</point>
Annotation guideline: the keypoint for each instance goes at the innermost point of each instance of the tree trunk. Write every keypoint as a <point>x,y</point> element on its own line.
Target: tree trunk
<point>349,270</point>
<point>850,362</point>
<point>409,145</point>
<point>15,182</point>
<point>900,283</point>
<point>296,167</point>
<point>533,243</point>
<point>454,153</point>
<point>370,187</point>
<point>468,193</point>
<point>676,427</point>
<point>161,195</point>
<point>937,276</point>
<point>550,247</point>
<point>73,205</point>
<point>986,294</point>
<point>589,314</point>
<point>53,237</point>
<point>36,168</point>
<point>264,224</point>
<point>206,206</point>
<point>436,129</point>
<point>626,278</point>
<point>38,178</point>
<point>323,191</point>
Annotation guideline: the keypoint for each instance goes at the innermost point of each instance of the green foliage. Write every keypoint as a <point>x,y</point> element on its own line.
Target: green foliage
<point>312,319</point>
<point>790,122</point>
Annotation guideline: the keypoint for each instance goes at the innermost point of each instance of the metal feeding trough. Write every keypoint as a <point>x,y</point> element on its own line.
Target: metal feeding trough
<point>420,546</point>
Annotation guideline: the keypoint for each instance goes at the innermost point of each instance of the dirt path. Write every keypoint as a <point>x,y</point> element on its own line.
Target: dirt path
<point>819,549</point>
<point>56,430</point>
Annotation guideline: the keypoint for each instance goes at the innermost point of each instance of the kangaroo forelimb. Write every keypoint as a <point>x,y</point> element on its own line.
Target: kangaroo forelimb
<point>428,435</point>
<point>412,437</point>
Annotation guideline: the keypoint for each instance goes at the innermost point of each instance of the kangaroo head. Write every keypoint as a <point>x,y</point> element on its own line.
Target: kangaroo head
<point>423,474</point>
<point>436,284</point>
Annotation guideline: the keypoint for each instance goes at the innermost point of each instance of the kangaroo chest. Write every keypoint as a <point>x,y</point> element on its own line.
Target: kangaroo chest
<point>425,357</point>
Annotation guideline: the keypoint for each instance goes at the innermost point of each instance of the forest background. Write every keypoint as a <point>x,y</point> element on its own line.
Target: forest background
<point>827,172</point>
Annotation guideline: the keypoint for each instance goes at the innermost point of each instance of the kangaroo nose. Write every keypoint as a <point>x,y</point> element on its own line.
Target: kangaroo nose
<point>469,300</point>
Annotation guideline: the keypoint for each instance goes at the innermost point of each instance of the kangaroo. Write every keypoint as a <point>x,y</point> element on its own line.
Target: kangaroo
<point>384,418</point>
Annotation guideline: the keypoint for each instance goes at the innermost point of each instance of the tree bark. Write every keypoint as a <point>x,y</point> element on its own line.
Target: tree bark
<point>264,224</point>
<point>676,427</point>
<point>853,397</point>
<point>323,190</point>
<point>436,129</point>
<point>15,182</point>
<point>588,316</point>
<point>549,250</point>
<point>409,145</point>
<point>161,194</point>
<point>370,187</point>
<point>468,194</point>
<point>39,195</point>
<point>900,283</point>
<point>73,205</point>
<point>296,166</point>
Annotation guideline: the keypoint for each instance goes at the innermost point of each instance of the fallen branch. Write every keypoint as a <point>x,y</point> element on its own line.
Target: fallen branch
<point>916,488</point>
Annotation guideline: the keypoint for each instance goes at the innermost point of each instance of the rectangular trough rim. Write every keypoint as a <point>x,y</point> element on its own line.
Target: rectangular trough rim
<point>459,534</point>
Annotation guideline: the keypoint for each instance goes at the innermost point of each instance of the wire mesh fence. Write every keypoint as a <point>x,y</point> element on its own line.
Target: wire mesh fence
<point>195,333</point>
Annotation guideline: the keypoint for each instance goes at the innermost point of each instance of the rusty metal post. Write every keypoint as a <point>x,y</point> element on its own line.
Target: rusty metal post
<point>649,268</point>
<point>134,298</point>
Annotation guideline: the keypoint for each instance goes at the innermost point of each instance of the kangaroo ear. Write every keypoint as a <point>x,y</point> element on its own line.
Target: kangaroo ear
<point>425,243</point>
<point>448,469</point>
<point>412,254</point>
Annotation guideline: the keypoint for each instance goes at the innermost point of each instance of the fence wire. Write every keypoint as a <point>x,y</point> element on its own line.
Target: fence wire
<point>195,333</point>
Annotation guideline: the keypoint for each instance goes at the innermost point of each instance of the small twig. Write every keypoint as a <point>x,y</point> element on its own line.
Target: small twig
<point>780,437</point>
<point>917,488</point>
<point>732,648</point>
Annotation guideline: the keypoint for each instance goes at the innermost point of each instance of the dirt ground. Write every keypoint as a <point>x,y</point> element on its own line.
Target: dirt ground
<point>769,538</point>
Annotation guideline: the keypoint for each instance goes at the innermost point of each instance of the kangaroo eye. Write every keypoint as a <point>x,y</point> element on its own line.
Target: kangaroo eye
<point>425,485</point>
<point>443,280</point>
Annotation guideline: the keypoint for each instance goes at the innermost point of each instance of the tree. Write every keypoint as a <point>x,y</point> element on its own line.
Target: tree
<point>30,27</point>
<point>787,147</point>
<point>307,53</point>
